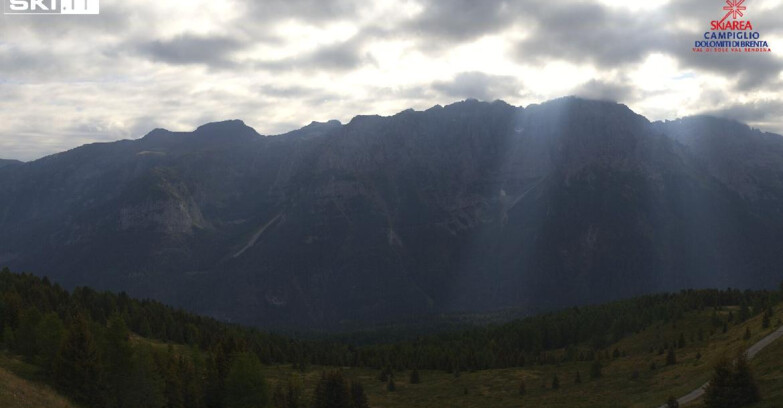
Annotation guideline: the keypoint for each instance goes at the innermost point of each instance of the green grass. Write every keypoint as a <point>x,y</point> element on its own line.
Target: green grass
<point>20,389</point>
<point>617,387</point>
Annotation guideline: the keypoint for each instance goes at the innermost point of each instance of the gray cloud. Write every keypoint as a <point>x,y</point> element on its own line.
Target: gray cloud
<point>585,32</point>
<point>757,111</point>
<point>605,91</point>
<point>317,11</point>
<point>193,49</point>
<point>748,70</point>
<point>479,85</point>
<point>342,56</point>
<point>462,20</point>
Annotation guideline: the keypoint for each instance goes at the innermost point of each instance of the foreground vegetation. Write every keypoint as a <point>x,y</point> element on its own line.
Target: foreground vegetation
<point>107,350</point>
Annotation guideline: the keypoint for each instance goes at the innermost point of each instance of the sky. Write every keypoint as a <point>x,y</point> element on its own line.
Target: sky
<point>281,64</point>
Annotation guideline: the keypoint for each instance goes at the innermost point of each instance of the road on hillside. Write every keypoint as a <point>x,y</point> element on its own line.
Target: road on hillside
<point>751,352</point>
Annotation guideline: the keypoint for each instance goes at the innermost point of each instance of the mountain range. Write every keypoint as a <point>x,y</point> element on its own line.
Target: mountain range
<point>471,207</point>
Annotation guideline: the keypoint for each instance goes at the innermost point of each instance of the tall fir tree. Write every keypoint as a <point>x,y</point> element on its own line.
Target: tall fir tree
<point>245,383</point>
<point>332,391</point>
<point>77,367</point>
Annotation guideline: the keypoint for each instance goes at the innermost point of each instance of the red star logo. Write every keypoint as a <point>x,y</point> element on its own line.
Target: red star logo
<point>735,8</point>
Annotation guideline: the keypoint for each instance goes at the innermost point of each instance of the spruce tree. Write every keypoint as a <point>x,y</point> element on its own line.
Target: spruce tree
<point>415,378</point>
<point>390,385</point>
<point>245,384</point>
<point>671,357</point>
<point>732,385</point>
<point>49,334</point>
<point>595,370</point>
<point>332,391</point>
<point>77,367</point>
<point>358,397</point>
<point>765,322</point>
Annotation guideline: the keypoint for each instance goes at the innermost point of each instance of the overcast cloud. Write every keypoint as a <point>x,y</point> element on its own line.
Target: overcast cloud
<point>280,64</point>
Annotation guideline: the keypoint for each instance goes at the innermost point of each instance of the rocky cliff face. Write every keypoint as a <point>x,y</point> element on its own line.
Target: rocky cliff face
<point>474,206</point>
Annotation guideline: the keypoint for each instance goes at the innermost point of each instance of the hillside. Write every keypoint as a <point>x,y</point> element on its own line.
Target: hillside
<point>18,392</point>
<point>472,207</point>
<point>191,359</point>
<point>619,385</point>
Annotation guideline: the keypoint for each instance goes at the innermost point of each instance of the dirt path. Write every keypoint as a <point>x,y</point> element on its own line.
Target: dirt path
<point>751,352</point>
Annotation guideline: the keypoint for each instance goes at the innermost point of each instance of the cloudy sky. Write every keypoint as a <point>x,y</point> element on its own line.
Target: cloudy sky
<point>280,64</point>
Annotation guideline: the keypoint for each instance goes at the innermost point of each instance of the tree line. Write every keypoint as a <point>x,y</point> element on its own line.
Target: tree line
<point>108,350</point>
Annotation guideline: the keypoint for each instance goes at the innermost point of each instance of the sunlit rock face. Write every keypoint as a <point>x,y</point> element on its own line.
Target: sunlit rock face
<point>469,207</point>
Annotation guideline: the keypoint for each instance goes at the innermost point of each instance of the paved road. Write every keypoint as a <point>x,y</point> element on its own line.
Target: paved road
<point>751,352</point>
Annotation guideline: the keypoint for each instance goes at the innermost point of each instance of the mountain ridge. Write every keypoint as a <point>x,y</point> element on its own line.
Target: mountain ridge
<point>475,206</point>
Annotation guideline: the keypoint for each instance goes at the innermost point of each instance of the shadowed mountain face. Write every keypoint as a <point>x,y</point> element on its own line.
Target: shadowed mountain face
<point>471,207</point>
<point>8,163</point>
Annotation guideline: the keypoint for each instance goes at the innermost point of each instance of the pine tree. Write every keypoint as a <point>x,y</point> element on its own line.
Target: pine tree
<point>595,370</point>
<point>522,387</point>
<point>555,382</point>
<point>288,395</point>
<point>732,385</point>
<point>671,357</point>
<point>117,359</point>
<point>332,391</point>
<point>414,378</point>
<point>765,323</point>
<point>245,384</point>
<point>77,367</point>
<point>390,385</point>
<point>358,397</point>
<point>49,334</point>
<point>578,378</point>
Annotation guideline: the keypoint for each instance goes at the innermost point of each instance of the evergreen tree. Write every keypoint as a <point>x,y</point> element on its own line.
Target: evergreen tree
<point>77,367</point>
<point>48,334</point>
<point>245,384</point>
<point>555,382</point>
<point>744,313</point>
<point>118,362</point>
<point>332,391</point>
<point>390,385</point>
<point>358,397</point>
<point>732,385</point>
<point>414,379</point>
<point>578,378</point>
<point>671,357</point>
<point>747,334</point>
<point>522,387</point>
<point>765,322</point>
<point>288,395</point>
<point>595,370</point>
<point>681,341</point>
<point>144,384</point>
